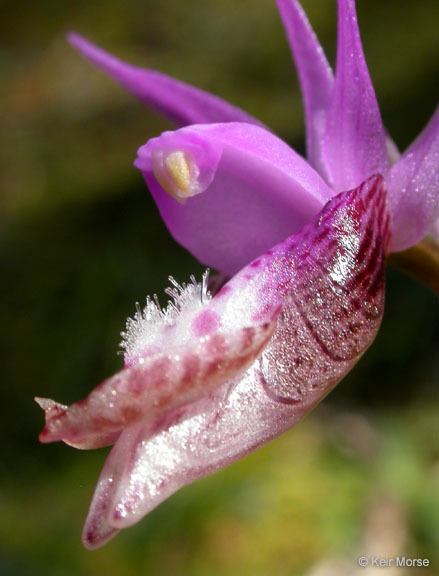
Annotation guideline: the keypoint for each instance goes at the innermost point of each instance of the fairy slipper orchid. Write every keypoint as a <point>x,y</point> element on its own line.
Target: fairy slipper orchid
<point>225,186</point>
<point>209,379</point>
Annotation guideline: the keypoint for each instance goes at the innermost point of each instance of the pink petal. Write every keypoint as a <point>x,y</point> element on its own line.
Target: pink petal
<point>249,190</point>
<point>97,531</point>
<point>354,144</point>
<point>54,409</point>
<point>158,384</point>
<point>181,103</point>
<point>315,76</point>
<point>414,189</point>
<point>331,275</point>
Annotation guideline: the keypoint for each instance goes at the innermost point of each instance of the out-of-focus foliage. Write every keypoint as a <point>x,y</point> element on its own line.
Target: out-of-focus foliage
<point>81,241</point>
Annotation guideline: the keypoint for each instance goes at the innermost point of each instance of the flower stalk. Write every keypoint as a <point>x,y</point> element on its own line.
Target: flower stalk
<point>420,262</point>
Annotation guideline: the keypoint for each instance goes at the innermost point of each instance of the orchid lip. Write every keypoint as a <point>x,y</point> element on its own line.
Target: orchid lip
<point>324,325</point>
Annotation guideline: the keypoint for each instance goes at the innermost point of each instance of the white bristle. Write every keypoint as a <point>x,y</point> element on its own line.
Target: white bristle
<point>141,330</point>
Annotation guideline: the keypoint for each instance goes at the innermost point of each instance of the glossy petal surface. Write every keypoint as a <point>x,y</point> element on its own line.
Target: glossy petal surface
<point>180,103</point>
<point>315,76</point>
<point>325,326</point>
<point>354,142</point>
<point>156,385</point>
<point>414,189</point>
<point>52,410</point>
<point>251,191</point>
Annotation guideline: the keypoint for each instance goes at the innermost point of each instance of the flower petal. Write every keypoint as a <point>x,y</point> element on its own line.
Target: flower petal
<point>414,189</point>
<point>325,326</point>
<point>180,103</point>
<point>158,384</point>
<point>54,409</point>
<point>315,76</point>
<point>97,531</point>
<point>354,145</point>
<point>242,191</point>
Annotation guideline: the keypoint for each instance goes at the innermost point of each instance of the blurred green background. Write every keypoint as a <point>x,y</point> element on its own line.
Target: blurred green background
<point>81,242</point>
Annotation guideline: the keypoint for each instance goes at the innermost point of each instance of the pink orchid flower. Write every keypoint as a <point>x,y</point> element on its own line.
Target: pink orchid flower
<point>209,379</point>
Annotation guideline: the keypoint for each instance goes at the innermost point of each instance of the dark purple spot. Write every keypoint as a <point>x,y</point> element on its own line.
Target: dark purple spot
<point>364,246</point>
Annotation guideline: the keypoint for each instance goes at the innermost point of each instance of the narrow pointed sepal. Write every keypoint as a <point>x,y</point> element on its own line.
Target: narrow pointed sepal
<point>329,279</point>
<point>354,141</point>
<point>180,103</point>
<point>315,77</point>
<point>414,189</point>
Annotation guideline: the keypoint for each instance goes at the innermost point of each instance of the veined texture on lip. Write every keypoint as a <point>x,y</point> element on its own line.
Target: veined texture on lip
<point>318,299</point>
